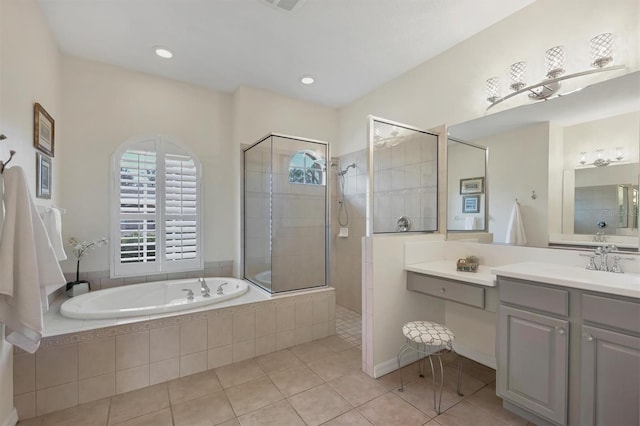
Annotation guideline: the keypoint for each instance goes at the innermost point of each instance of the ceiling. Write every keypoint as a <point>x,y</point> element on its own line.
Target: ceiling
<point>350,46</point>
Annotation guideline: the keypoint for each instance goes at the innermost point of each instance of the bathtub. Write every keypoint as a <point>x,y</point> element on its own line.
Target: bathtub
<point>150,298</point>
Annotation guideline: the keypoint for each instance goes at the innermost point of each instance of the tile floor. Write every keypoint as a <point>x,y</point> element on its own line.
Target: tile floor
<point>349,325</point>
<point>311,384</point>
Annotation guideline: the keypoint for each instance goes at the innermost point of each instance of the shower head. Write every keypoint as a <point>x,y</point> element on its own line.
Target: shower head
<point>344,172</point>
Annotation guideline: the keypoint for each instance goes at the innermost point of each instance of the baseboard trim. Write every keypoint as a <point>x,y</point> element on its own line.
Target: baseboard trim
<point>390,365</point>
<point>11,419</point>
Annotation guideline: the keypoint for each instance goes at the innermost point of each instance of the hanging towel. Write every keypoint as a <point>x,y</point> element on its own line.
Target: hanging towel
<point>515,230</point>
<point>28,264</point>
<point>469,223</point>
<point>53,224</point>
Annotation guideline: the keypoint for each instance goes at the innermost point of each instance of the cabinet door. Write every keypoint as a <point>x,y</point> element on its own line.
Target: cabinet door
<point>533,362</point>
<point>610,378</point>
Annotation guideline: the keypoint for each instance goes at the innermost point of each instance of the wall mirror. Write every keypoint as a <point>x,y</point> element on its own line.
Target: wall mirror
<point>467,193</point>
<point>542,153</point>
<point>404,161</point>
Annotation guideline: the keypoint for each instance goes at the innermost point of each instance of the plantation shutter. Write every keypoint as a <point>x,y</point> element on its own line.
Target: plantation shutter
<point>180,207</point>
<point>158,217</point>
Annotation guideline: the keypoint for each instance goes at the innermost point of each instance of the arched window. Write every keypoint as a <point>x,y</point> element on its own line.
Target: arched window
<point>156,208</point>
<point>307,167</point>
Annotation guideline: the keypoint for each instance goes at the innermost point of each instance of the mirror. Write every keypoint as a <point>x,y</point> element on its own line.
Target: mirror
<point>466,187</point>
<point>405,178</point>
<point>536,154</point>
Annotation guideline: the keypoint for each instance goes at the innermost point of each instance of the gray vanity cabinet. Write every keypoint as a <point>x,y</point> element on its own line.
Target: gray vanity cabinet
<point>609,378</point>
<point>533,362</point>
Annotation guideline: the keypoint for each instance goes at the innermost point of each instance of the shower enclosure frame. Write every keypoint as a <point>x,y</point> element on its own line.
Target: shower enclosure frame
<point>327,209</point>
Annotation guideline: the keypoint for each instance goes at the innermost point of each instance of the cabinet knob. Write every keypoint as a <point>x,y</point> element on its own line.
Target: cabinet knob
<point>442,290</point>
<point>560,330</point>
<point>588,337</point>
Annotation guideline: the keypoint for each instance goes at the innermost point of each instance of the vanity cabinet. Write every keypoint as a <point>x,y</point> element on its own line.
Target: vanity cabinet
<point>568,356</point>
<point>533,349</point>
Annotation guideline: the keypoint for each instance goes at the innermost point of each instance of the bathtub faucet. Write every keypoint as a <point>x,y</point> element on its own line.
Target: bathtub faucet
<point>189,293</point>
<point>204,288</point>
<point>219,290</point>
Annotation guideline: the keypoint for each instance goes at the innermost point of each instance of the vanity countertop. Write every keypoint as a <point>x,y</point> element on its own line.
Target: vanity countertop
<point>447,269</point>
<point>627,284</point>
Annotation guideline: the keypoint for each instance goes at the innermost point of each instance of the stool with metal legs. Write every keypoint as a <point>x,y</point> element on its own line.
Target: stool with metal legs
<point>429,339</point>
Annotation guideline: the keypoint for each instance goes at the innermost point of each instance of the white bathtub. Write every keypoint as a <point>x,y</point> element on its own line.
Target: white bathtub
<point>150,298</point>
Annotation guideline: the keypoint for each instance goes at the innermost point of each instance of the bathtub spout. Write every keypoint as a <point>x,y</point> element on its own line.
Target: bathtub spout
<point>219,290</point>
<point>204,288</point>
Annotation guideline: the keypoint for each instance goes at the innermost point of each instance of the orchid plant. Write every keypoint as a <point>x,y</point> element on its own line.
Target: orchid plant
<point>80,248</point>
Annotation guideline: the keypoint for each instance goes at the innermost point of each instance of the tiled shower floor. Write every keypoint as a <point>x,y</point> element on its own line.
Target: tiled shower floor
<point>349,325</point>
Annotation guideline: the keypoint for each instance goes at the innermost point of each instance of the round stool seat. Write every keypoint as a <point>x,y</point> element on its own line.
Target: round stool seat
<point>428,333</point>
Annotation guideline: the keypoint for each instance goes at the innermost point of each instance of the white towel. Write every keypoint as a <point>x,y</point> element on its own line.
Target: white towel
<point>469,223</point>
<point>28,264</point>
<point>515,230</point>
<point>53,224</point>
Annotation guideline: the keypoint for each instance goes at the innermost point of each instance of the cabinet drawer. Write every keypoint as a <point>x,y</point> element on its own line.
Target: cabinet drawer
<point>622,314</point>
<point>534,296</point>
<point>446,289</point>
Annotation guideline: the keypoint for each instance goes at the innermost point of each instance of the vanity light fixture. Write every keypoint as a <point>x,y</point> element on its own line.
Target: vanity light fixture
<point>307,79</point>
<point>601,157</point>
<point>555,57</point>
<point>163,52</point>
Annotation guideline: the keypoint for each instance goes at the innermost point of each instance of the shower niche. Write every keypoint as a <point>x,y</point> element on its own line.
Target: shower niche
<point>285,214</point>
<point>404,188</point>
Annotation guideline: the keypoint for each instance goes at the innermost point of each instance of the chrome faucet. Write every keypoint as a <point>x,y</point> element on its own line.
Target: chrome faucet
<point>603,252</point>
<point>204,288</point>
<point>219,291</point>
<point>599,238</point>
<point>189,293</point>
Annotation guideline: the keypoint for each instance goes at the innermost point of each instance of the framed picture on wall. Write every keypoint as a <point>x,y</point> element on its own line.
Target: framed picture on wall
<point>471,204</point>
<point>43,130</point>
<point>472,185</point>
<point>43,176</point>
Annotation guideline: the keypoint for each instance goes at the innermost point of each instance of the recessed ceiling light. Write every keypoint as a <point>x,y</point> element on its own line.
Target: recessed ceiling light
<point>163,52</point>
<point>307,79</point>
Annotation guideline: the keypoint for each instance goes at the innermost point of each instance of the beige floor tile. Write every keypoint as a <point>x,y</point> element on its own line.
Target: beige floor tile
<point>91,414</point>
<point>238,373</point>
<point>464,414</point>
<point>295,380</point>
<point>312,351</point>
<point>278,361</point>
<point>487,400</point>
<point>194,386</point>
<point>208,410</point>
<point>336,343</point>
<point>474,369</point>
<point>157,418</point>
<point>391,381</point>
<point>33,421</point>
<point>333,366</point>
<point>252,395</point>
<point>233,422</point>
<point>281,413</point>
<point>389,409</point>
<point>420,395</point>
<point>139,402</point>
<point>319,404</point>
<point>357,388</point>
<point>350,418</point>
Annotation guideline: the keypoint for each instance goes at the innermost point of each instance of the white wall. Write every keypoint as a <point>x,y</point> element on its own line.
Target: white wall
<point>29,72</point>
<point>105,106</point>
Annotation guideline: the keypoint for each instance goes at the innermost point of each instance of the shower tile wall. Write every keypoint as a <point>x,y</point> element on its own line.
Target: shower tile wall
<point>346,253</point>
<point>605,200</point>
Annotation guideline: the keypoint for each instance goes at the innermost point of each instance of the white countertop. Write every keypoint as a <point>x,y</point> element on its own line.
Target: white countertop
<point>447,269</point>
<point>570,276</point>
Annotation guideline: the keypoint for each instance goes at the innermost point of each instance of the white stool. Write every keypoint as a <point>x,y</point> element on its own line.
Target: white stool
<point>429,339</point>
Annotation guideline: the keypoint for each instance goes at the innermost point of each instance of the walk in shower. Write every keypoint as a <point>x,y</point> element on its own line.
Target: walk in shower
<point>285,234</point>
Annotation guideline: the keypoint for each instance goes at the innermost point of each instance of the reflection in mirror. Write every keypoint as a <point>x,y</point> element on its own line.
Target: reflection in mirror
<point>466,186</point>
<point>405,178</point>
<point>544,147</point>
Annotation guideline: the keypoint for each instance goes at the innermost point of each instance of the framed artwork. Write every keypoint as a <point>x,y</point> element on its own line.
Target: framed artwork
<point>43,176</point>
<point>471,204</point>
<point>43,130</point>
<point>472,185</point>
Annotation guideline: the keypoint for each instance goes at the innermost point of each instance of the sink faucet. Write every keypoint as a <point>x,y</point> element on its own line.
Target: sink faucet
<point>603,252</point>
<point>204,288</point>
